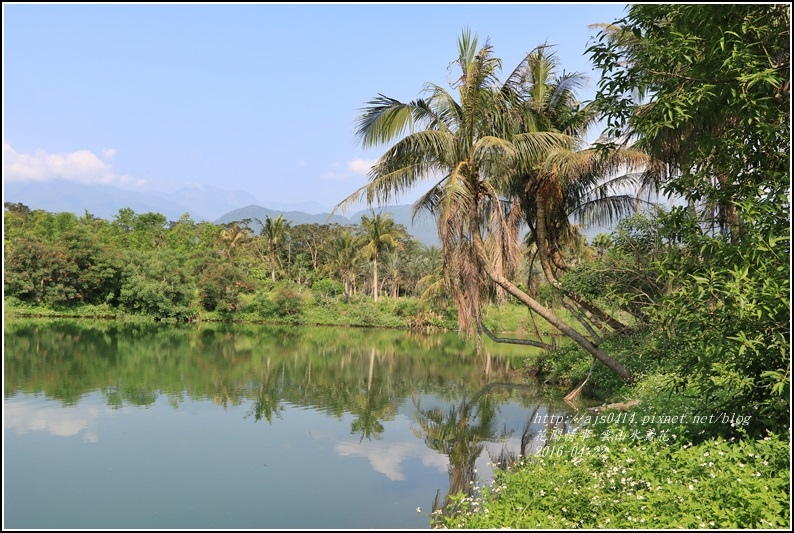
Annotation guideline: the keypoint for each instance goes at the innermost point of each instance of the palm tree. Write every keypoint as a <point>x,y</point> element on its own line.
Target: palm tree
<point>372,405</point>
<point>602,242</point>
<point>460,433</point>
<point>465,145</point>
<point>233,235</point>
<point>570,180</point>
<point>394,265</point>
<point>379,235</point>
<point>275,233</point>
<point>344,260</point>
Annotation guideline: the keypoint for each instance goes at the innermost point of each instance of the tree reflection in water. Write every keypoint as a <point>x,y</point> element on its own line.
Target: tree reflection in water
<point>462,432</point>
<point>372,405</point>
<point>267,402</point>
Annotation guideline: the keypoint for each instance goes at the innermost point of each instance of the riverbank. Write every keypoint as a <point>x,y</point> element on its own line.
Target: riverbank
<point>631,469</point>
<point>668,461</point>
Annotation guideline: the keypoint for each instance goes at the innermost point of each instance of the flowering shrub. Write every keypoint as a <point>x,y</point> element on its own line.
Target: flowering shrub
<point>584,482</point>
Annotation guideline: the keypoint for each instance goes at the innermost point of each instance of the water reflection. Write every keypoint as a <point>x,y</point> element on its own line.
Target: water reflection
<point>397,418</point>
<point>30,416</point>
<point>457,433</point>
<point>462,431</point>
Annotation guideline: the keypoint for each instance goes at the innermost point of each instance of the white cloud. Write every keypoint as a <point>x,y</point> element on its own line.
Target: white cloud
<point>360,166</point>
<point>53,419</point>
<point>82,166</point>
<point>387,458</point>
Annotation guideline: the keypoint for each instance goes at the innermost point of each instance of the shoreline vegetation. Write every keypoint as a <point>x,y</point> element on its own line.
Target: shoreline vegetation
<point>684,307</point>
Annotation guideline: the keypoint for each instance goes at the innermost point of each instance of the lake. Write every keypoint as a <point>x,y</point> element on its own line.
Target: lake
<point>112,425</point>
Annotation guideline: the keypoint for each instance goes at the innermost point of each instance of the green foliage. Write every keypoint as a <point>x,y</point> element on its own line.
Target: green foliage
<point>220,285</point>
<point>156,284</point>
<point>626,276</point>
<point>182,236</point>
<point>729,319</point>
<point>325,290</point>
<point>406,307</point>
<point>85,257</point>
<point>639,237</point>
<point>718,69</point>
<point>363,312</point>
<point>139,232</point>
<point>285,303</point>
<point>718,311</point>
<point>99,267</point>
<point>39,272</point>
<point>714,109</point>
<point>67,272</point>
<point>592,482</point>
<point>289,301</point>
<point>546,294</point>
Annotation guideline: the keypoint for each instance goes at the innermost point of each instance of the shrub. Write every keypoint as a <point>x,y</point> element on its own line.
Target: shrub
<point>155,284</point>
<point>589,482</point>
<point>220,286</point>
<point>325,290</point>
<point>289,301</point>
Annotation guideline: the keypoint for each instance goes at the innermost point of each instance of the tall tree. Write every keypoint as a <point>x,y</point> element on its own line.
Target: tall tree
<point>571,180</point>
<point>468,143</point>
<point>379,234</point>
<point>232,236</point>
<point>275,232</point>
<point>344,260</point>
<point>705,89</point>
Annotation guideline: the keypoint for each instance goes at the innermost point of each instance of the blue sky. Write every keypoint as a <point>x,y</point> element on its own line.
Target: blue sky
<point>255,97</point>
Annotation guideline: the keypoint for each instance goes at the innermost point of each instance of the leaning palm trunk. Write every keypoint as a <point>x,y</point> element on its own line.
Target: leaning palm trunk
<point>547,314</point>
<point>545,262</point>
<point>471,143</point>
<point>522,342</point>
<point>571,307</point>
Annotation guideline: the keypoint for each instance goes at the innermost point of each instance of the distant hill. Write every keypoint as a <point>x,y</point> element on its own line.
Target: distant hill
<point>257,212</point>
<point>202,202</point>
<point>423,229</point>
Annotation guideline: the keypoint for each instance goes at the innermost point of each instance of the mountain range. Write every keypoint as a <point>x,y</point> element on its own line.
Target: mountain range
<point>202,203</point>
<point>206,203</point>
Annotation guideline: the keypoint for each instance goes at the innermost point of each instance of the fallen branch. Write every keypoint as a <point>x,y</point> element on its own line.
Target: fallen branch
<point>574,394</point>
<point>618,406</point>
<point>524,342</point>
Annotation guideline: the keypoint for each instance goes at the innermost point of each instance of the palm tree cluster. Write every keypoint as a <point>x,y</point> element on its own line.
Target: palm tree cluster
<point>377,248</point>
<point>501,157</point>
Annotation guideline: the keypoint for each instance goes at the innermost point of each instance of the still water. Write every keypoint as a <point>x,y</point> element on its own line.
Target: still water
<point>110,425</point>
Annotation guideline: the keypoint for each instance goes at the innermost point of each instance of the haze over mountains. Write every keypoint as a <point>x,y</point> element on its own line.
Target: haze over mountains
<point>205,203</point>
<point>202,203</point>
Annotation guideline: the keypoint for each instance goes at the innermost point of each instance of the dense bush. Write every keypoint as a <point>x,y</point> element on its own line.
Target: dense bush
<point>220,285</point>
<point>729,317</point>
<point>285,303</point>
<point>649,481</point>
<point>155,284</point>
<point>325,290</point>
<point>64,273</point>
